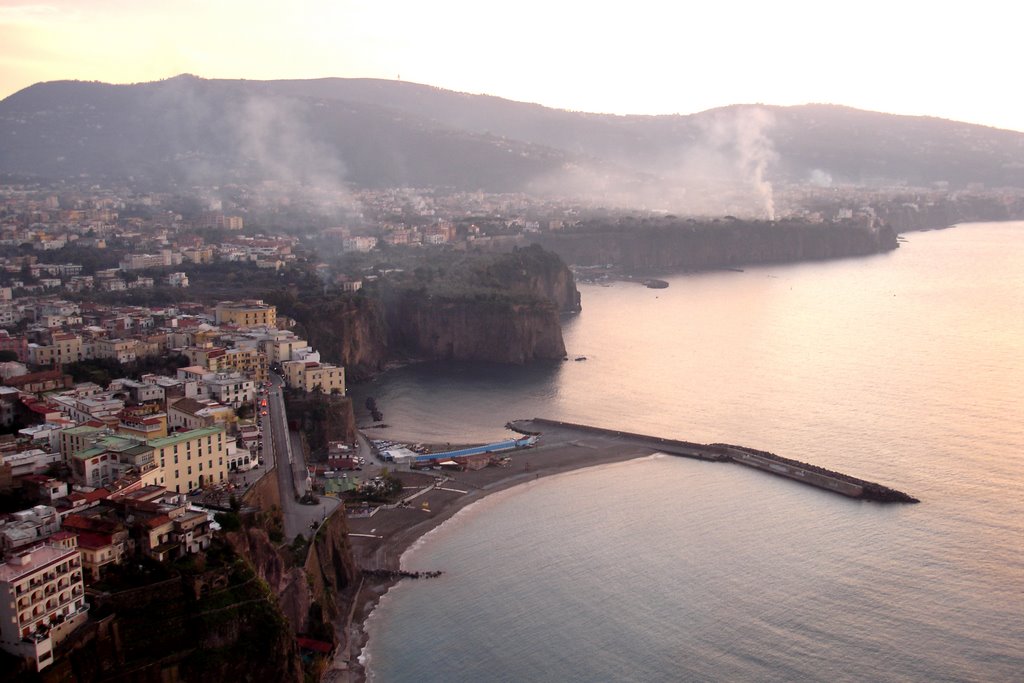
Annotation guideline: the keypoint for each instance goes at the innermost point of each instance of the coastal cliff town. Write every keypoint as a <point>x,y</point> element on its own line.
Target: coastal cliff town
<point>143,364</point>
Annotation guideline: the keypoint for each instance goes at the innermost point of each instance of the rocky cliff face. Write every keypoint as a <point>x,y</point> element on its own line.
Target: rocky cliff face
<point>347,330</point>
<point>307,594</point>
<point>490,307</point>
<point>681,245</point>
<point>211,625</point>
<point>478,330</point>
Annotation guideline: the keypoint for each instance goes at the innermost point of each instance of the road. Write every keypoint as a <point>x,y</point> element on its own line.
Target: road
<point>286,449</point>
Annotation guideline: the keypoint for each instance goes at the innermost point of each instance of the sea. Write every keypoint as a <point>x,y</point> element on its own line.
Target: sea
<point>905,368</point>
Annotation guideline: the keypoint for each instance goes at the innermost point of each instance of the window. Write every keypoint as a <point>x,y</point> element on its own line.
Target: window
<point>190,469</point>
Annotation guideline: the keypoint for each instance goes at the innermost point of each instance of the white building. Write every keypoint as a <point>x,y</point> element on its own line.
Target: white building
<point>42,599</point>
<point>231,389</point>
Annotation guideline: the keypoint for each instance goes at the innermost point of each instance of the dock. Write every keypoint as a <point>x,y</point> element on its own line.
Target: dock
<point>802,472</point>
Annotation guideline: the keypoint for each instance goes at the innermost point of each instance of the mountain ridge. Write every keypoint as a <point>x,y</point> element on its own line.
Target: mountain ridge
<point>376,133</point>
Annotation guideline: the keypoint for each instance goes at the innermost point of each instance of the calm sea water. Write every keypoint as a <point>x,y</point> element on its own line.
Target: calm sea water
<point>905,368</point>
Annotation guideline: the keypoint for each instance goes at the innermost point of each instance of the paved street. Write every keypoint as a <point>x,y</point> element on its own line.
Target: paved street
<point>286,449</point>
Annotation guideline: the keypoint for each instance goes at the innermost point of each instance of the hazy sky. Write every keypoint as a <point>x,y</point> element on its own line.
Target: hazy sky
<point>954,60</point>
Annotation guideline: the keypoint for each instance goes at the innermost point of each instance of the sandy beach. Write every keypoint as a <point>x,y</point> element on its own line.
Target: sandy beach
<point>378,542</point>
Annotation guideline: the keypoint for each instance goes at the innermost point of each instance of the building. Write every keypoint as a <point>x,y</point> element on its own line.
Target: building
<point>42,599</point>
<point>193,413</point>
<point>67,348</point>
<point>26,528</point>
<point>113,457</point>
<point>143,424</point>
<point>192,459</point>
<point>121,350</point>
<point>18,345</point>
<point>231,389</point>
<point>76,439</point>
<point>138,392</point>
<point>281,345</point>
<point>248,313</point>
<point>177,280</point>
<point>249,361</point>
<point>309,375</point>
<point>102,539</point>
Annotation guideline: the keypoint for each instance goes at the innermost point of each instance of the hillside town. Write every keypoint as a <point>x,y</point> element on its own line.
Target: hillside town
<point>127,391</point>
<point>108,469</point>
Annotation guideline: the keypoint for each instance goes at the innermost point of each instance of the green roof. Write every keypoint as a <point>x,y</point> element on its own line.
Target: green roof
<point>117,444</point>
<point>82,429</point>
<point>180,437</point>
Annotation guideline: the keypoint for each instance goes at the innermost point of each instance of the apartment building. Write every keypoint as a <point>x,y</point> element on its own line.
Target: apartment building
<point>42,599</point>
<point>192,459</point>
<point>248,313</point>
<point>308,375</point>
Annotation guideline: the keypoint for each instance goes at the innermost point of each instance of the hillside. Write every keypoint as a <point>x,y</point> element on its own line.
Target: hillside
<point>374,133</point>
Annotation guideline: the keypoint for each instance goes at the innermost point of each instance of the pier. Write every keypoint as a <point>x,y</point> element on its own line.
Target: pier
<point>802,472</point>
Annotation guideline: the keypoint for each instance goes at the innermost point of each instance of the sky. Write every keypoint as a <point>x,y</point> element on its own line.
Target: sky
<point>951,60</point>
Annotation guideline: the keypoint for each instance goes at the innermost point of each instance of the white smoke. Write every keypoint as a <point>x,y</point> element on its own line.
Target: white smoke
<point>721,169</point>
<point>741,133</point>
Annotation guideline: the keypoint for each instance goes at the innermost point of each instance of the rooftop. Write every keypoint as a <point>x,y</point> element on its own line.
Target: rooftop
<point>180,437</point>
<point>33,560</point>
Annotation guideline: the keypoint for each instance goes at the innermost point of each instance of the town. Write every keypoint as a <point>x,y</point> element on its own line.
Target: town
<point>141,369</point>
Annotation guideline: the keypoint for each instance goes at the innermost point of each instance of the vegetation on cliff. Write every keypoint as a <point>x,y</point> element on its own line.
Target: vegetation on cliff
<point>670,243</point>
<point>322,418</point>
<point>445,304</point>
<point>213,619</point>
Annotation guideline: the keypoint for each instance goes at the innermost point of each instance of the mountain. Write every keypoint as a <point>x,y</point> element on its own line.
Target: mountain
<point>376,133</point>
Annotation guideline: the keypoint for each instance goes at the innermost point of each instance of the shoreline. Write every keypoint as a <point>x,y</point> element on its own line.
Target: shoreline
<point>380,541</point>
<point>385,537</point>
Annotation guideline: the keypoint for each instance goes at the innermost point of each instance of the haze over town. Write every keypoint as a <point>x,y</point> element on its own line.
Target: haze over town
<point>647,58</point>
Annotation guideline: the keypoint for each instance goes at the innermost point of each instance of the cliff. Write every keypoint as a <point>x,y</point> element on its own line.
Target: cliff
<point>217,621</point>
<point>494,330</point>
<point>674,244</point>
<point>348,330</point>
<point>307,578</point>
<point>322,418</point>
<point>487,307</point>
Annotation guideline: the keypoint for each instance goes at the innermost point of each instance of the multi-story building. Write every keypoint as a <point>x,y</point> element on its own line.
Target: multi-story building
<point>139,392</point>
<point>143,424</point>
<point>248,313</point>
<point>279,346</point>
<point>67,348</point>
<point>249,361</point>
<point>193,413</point>
<point>102,539</point>
<point>113,457</point>
<point>308,375</point>
<point>192,459</point>
<point>18,345</point>
<point>231,389</point>
<point>28,527</point>
<point>42,599</point>
<point>121,350</point>
<point>77,439</point>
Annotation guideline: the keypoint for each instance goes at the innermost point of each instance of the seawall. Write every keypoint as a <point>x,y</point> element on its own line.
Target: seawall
<point>802,472</point>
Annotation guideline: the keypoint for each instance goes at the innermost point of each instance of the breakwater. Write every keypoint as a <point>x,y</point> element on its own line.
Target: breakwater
<point>802,472</point>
